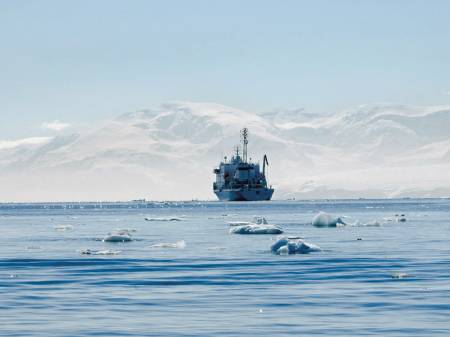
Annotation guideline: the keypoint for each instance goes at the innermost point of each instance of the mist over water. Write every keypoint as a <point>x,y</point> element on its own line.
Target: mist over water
<point>191,277</point>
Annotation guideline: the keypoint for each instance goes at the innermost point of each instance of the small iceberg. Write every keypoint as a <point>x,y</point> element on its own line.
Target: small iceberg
<point>374,223</point>
<point>256,220</point>
<point>323,219</point>
<point>400,217</point>
<point>63,227</point>
<point>293,245</point>
<point>258,226</point>
<point>179,244</point>
<point>118,236</point>
<point>256,229</point>
<point>400,275</point>
<point>100,252</point>
<point>163,219</point>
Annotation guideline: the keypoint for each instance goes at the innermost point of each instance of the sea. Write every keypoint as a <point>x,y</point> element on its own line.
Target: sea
<point>184,274</point>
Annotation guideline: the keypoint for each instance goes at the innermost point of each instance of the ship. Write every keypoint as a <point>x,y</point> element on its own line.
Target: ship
<point>238,179</point>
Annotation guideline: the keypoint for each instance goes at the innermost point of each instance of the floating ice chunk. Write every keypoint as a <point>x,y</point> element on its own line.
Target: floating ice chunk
<point>100,252</point>
<point>373,223</point>
<point>400,217</point>
<point>252,228</point>
<point>256,221</point>
<point>260,220</point>
<point>63,227</point>
<point>118,236</point>
<point>179,244</point>
<point>400,275</point>
<point>163,219</point>
<point>239,223</point>
<point>323,219</point>
<point>286,245</point>
<point>126,230</point>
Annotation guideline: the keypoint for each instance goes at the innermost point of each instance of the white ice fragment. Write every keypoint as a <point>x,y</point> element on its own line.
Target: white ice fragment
<point>63,227</point>
<point>118,236</point>
<point>323,219</point>
<point>400,275</point>
<point>256,229</point>
<point>179,244</point>
<point>400,217</point>
<point>260,220</point>
<point>285,246</point>
<point>239,223</point>
<point>100,252</point>
<point>163,219</point>
<point>374,223</point>
<point>126,230</point>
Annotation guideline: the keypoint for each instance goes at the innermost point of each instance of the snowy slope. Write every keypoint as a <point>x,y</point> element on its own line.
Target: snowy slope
<point>169,153</point>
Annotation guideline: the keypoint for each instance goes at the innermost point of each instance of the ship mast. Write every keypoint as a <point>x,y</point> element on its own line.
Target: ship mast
<point>244,137</point>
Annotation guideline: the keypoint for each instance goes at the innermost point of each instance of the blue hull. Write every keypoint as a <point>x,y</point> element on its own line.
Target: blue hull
<point>259,194</point>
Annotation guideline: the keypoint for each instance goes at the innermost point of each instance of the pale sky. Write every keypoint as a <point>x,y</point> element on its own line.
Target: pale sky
<point>79,62</point>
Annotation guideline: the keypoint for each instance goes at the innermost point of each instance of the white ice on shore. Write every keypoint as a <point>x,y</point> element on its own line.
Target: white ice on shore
<point>293,245</point>
<point>323,219</point>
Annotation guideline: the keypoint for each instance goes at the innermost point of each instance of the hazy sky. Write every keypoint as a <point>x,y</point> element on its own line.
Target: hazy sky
<point>83,61</point>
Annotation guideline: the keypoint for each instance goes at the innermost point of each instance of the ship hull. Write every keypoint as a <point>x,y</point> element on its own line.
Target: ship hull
<point>259,194</point>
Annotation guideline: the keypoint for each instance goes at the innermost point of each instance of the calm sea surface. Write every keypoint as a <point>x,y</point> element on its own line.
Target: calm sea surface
<point>387,280</point>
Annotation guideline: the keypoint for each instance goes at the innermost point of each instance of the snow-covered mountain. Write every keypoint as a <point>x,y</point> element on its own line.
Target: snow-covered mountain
<point>169,153</point>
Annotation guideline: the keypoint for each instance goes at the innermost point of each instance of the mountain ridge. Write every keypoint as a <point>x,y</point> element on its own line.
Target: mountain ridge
<point>168,153</point>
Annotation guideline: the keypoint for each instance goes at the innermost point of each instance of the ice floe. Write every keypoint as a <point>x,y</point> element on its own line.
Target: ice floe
<point>374,223</point>
<point>100,252</point>
<point>126,230</point>
<point>323,219</point>
<point>163,219</point>
<point>256,229</point>
<point>400,275</point>
<point>257,220</point>
<point>63,227</point>
<point>293,245</point>
<point>400,217</point>
<point>179,244</point>
<point>118,236</point>
<point>259,225</point>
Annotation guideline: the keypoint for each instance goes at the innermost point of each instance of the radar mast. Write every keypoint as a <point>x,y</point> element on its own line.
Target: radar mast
<point>244,139</point>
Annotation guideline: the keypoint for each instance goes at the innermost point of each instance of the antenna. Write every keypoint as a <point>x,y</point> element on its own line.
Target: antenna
<point>244,139</point>
<point>236,150</point>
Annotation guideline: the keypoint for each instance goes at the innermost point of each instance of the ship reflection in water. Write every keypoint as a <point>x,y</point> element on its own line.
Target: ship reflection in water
<point>241,180</point>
